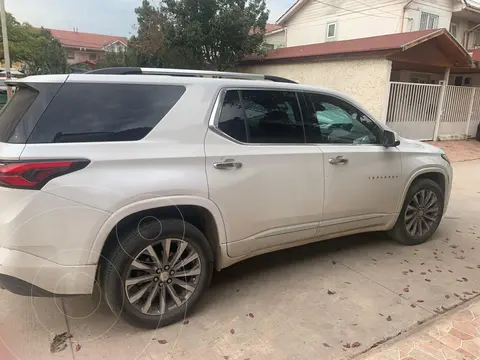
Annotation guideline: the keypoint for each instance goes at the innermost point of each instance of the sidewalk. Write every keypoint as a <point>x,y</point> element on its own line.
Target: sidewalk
<point>454,336</point>
<point>460,150</point>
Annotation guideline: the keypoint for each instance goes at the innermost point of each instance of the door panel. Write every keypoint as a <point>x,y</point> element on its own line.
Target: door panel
<point>275,197</point>
<point>365,187</point>
<point>362,178</point>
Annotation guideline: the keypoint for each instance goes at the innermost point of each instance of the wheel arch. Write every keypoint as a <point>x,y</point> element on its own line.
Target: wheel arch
<point>437,174</point>
<point>201,212</point>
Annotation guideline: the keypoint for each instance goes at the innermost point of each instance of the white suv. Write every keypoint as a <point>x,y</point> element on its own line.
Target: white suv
<point>146,180</point>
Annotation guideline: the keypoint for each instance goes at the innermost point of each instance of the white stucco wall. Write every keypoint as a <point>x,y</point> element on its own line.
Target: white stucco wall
<point>366,80</point>
<point>277,39</point>
<point>308,24</point>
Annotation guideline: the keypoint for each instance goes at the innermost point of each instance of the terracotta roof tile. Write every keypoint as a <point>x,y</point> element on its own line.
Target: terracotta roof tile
<point>87,40</point>
<point>272,27</point>
<point>375,43</point>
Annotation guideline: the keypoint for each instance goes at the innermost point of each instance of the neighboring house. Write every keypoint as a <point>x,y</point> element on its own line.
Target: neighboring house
<point>86,47</point>
<point>275,36</point>
<point>312,21</point>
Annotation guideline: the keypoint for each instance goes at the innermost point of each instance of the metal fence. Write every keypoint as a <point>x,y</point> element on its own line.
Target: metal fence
<point>418,111</point>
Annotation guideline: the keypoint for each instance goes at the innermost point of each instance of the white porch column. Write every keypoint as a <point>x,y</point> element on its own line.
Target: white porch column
<point>438,117</point>
<point>383,118</point>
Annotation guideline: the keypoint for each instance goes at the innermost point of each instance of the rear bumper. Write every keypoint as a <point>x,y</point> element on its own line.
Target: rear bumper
<point>26,274</point>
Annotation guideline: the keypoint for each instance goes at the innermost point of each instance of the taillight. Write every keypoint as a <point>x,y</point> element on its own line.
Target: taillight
<point>35,174</point>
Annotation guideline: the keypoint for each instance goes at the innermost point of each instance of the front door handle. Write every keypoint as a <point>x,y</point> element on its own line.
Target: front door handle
<point>228,164</point>
<point>339,160</point>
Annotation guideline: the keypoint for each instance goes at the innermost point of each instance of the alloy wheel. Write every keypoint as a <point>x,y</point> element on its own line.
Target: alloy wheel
<point>421,213</point>
<point>163,276</point>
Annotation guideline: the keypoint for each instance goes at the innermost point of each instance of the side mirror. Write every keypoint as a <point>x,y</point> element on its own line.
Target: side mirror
<point>389,139</point>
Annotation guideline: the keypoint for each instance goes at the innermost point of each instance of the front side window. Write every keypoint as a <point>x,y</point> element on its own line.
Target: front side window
<point>428,21</point>
<point>332,120</point>
<point>97,112</point>
<point>262,116</point>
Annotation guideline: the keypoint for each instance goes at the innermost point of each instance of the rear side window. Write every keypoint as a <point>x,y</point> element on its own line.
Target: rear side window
<point>14,110</point>
<point>262,116</point>
<point>104,112</point>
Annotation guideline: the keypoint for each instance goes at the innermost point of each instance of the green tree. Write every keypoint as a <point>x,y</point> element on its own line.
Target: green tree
<point>213,34</point>
<point>147,47</point>
<point>40,52</point>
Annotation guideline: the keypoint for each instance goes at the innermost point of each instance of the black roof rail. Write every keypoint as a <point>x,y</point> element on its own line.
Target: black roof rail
<point>187,72</point>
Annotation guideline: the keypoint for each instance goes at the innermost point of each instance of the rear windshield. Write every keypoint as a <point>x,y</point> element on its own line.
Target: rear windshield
<point>104,112</point>
<point>14,110</point>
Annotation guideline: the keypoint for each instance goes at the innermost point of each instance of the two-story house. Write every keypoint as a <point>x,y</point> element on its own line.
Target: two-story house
<point>408,61</point>
<point>317,21</point>
<point>86,47</point>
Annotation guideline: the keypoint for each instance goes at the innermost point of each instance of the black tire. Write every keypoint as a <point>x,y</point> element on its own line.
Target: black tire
<point>399,232</point>
<point>115,266</point>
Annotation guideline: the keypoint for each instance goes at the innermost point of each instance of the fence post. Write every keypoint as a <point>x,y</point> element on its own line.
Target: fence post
<point>470,110</point>
<point>438,116</point>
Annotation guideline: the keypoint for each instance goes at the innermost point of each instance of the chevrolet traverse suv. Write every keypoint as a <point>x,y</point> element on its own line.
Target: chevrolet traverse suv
<point>146,180</point>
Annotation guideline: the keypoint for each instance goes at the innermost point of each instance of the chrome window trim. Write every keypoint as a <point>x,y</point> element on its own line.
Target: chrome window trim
<point>217,108</point>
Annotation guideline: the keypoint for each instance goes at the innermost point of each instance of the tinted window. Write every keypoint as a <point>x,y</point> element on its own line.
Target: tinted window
<point>272,117</point>
<point>14,110</point>
<point>262,116</point>
<point>332,120</point>
<point>232,117</point>
<point>104,112</point>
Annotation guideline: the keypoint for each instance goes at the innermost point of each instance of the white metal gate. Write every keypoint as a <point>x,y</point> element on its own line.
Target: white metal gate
<point>415,109</point>
<point>412,109</point>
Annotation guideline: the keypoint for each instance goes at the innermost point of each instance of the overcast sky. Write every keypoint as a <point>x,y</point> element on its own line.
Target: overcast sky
<point>113,17</point>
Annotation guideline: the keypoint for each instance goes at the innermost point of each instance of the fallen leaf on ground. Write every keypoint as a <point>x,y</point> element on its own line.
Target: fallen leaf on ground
<point>422,263</point>
<point>334,262</point>
<point>348,283</point>
<point>251,315</point>
<point>420,301</point>
<point>438,270</point>
<point>78,347</point>
<point>326,345</point>
<point>347,345</point>
<point>423,273</point>
<point>469,267</point>
<point>330,292</point>
<point>356,344</point>
<point>413,306</point>
<point>232,331</point>
<point>186,322</point>
<point>410,270</point>
<point>389,318</point>
<point>456,294</point>
<point>428,280</point>
<point>404,272</point>
<point>163,342</point>
<point>453,246</point>
<point>450,271</point>
<point>406,289</point>
<point>374,259</point>
<point>226,357</point>
<point>59,342</point>
<point>467,293</point>
<point>447,296</point>
<point>389,253</point>
<point>464,279</point>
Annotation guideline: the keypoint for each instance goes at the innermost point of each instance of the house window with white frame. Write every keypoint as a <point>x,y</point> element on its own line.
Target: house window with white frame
<point>331,30</point>
<point>453,29</point>
<point>428,21</point>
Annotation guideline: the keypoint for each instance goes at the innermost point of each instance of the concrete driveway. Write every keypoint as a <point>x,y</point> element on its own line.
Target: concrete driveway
<point>329,300</point>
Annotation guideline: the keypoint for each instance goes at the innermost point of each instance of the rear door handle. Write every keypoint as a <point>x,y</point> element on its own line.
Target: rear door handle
<point>228,164</point>
<point>339,160</point>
